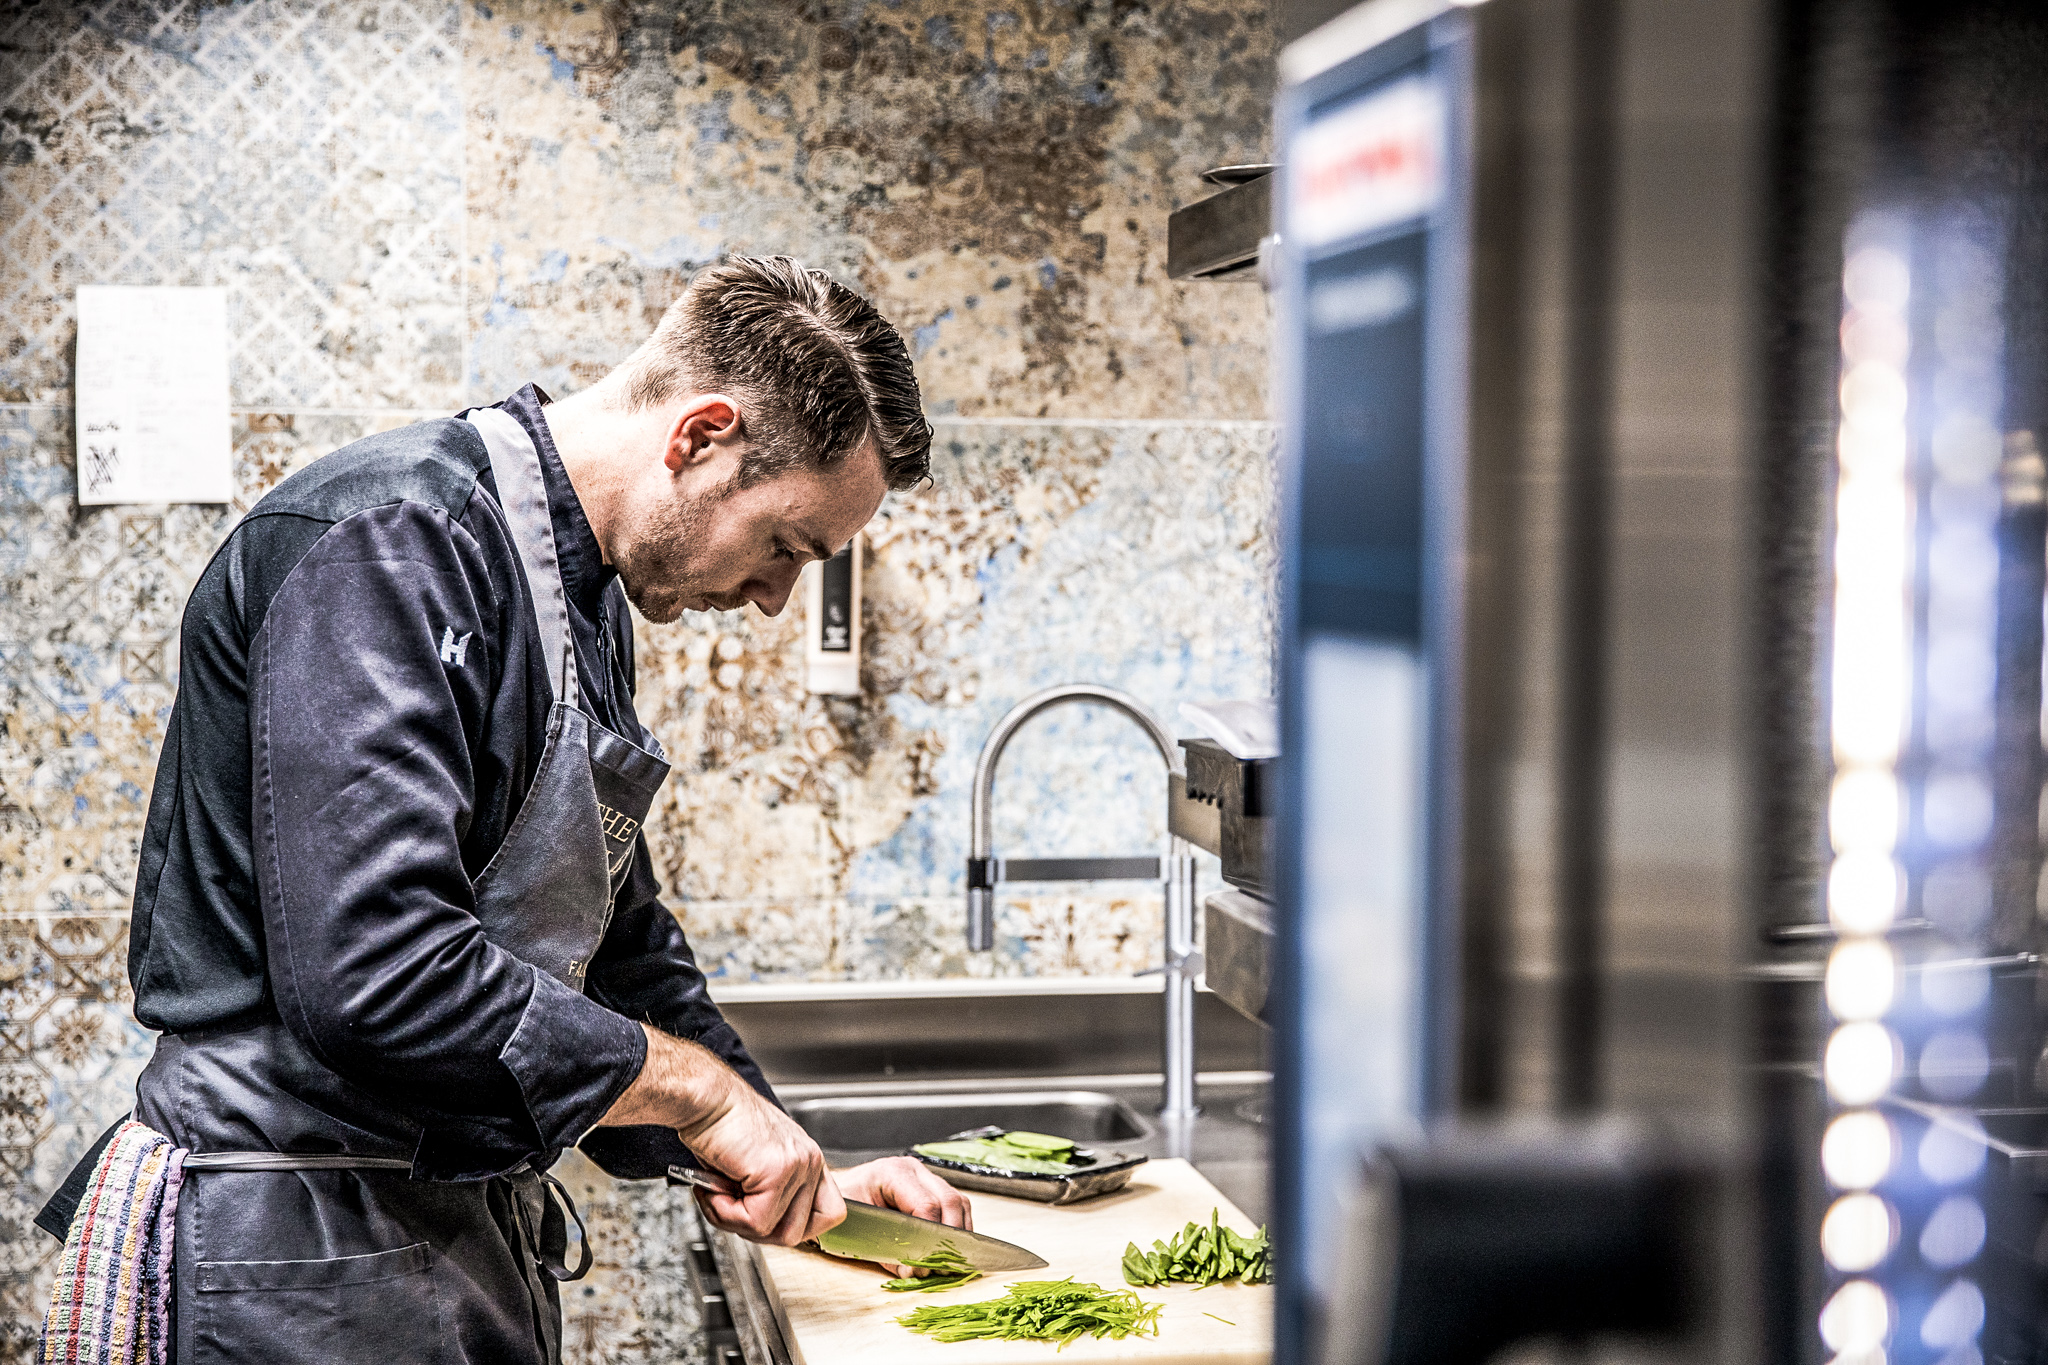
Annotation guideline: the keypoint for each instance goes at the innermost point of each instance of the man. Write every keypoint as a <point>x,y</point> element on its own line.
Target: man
<point>394,914</point>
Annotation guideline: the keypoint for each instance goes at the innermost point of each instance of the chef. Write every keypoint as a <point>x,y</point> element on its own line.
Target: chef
<point>395,916</point>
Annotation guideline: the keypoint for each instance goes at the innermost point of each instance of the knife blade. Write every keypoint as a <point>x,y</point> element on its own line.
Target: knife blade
<point>871,1233</point>
<point>878,1234</point>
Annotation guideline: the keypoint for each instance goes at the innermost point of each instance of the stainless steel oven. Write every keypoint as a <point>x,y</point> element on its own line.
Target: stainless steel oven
<point>1659,842</point>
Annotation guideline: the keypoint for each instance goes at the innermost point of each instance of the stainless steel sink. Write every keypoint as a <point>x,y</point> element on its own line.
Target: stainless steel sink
<point>873,1125</point>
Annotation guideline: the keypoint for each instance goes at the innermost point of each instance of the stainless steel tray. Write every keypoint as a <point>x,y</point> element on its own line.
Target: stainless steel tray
<point>1106,1171</point>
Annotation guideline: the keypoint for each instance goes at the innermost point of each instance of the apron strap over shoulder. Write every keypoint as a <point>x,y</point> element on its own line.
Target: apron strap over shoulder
<point>515,465</point>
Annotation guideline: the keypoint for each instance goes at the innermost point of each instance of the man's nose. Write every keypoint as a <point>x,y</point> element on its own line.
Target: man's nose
<point>771,594</point>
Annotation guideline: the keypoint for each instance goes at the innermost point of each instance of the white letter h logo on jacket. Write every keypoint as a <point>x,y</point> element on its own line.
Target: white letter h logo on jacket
<point>453,649</point>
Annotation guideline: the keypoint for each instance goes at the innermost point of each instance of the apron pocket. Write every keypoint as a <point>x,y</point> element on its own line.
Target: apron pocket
<point>371,1309</point>
<point>222,1276</point>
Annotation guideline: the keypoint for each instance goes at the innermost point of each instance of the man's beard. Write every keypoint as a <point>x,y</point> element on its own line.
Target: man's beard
<point>655,560</point>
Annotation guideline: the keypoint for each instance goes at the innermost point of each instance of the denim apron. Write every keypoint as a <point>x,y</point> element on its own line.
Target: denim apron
<point>301,1234</point>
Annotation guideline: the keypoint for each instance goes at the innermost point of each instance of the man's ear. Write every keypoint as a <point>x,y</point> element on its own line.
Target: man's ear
<point>703,424</point>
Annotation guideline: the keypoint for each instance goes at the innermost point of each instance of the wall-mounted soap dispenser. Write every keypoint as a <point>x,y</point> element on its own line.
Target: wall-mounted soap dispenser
<point>832,624</point>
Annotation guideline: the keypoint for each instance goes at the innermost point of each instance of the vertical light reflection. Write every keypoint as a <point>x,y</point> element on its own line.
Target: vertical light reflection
<point>1958,387</point>
<point>1919,493</point>
<point>1870,707</point>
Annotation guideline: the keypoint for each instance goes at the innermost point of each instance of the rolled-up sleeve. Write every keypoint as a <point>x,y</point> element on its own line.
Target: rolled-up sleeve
<point>645,969</point>
<point>370,681</point>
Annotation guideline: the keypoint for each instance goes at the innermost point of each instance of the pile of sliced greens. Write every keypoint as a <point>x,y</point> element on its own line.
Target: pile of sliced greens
<point>1032,1152</point>
<point>948,1268</point>
<point>1200,1255</point>
<point>1039,1310</point>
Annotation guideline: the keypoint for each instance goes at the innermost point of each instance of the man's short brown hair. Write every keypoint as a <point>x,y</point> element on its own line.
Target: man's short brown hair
<point>816,370</point>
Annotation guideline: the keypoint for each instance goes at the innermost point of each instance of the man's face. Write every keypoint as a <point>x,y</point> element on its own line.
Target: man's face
<point>693,541</point>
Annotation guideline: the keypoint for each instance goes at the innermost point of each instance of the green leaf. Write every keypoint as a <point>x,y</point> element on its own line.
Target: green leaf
<point>1039,1144</point>
<point>993,1154</point>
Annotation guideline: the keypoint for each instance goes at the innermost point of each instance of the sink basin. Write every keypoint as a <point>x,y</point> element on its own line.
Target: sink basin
<point>876,1125</point>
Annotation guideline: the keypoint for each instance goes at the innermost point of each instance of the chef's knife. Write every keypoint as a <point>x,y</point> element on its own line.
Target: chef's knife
<point>877,1234</point>
<point>890,1235</point>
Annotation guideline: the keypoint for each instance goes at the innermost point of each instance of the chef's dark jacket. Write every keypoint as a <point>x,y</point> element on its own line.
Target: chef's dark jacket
<point>369,626</point>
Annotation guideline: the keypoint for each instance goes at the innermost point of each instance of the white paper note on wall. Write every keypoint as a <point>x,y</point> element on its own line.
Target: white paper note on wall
<point>152,395</point>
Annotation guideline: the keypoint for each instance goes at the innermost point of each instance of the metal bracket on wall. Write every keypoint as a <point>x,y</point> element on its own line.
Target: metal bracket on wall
<point>1218,238</point>
<point>984,873</point>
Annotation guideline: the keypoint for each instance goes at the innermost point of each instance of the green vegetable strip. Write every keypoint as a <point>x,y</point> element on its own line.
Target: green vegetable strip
<point>911,1284</point>
<point>1039,1310</point>
<point>1201,1255</point>
<point>949,1268</point>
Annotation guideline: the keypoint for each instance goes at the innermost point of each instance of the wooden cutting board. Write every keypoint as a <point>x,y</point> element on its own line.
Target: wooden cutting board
<point>835,1312</point>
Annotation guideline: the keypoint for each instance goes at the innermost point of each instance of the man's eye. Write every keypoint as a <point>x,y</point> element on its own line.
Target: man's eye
<point>783,551</point>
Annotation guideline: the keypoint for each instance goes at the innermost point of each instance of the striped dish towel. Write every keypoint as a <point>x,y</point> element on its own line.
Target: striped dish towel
<point>111,1302</point>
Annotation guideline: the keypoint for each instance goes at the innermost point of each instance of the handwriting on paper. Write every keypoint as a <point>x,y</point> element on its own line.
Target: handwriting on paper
<point>152,395</point>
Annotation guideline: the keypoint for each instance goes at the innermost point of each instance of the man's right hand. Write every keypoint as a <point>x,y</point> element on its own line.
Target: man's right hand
<point>785,1197</point>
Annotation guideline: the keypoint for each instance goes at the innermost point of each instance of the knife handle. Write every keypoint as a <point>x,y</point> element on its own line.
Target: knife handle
<point>703,1180</point>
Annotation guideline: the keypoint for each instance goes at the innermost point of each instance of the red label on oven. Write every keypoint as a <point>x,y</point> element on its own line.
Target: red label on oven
<point>1368,165</point>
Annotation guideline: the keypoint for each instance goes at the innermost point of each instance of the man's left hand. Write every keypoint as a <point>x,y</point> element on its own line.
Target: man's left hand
<point>902,1182</point>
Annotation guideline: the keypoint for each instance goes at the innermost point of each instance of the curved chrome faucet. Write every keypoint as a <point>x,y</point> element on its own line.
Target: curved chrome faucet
<point>1183,963</point>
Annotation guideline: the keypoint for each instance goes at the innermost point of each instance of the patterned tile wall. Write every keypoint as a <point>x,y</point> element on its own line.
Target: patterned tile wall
<point>419,204</point>
<point>996,175</point>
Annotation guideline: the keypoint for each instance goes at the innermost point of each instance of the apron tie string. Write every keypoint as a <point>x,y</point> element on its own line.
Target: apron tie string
<point>554,1233</point>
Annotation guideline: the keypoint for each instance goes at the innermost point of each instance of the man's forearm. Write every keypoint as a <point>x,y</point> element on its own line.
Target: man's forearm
<point>680,1086</point>
<point>784,1195</point>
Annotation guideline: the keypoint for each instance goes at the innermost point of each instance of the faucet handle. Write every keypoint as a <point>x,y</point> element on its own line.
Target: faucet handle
<point>1188,964</point>
<point>981,919</point>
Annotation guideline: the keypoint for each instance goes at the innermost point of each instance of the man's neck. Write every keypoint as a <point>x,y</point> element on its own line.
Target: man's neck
<point>600,442</point>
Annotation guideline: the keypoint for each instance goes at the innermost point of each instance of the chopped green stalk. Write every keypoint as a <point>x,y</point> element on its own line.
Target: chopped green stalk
<point>1039,1310</point>
<point>946,1256</point>
<point>1225,1321</point>
<point>948,1267</point>
<point>914,1285</point>
<point>1201,1255</point>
